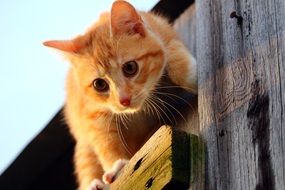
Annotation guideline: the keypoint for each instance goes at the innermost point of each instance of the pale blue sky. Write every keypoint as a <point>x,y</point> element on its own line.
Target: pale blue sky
<point>31,75</point>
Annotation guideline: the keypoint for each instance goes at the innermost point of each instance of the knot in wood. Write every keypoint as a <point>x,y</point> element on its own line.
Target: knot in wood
<point>149,183</point>
<point>138,164</point>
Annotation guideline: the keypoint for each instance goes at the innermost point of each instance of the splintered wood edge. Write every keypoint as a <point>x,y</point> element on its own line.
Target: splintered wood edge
<point>165,161</point>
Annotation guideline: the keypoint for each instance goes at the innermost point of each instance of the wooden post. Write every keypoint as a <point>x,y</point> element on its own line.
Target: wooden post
<point>241,57</point>
<point>170,159</point>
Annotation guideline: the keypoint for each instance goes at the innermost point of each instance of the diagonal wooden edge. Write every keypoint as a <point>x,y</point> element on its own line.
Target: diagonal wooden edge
<point>170,159</point>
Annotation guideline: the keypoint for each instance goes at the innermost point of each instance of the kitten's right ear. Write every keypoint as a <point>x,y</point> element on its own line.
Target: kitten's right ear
<point>125,19</point>
<point>71,46</point>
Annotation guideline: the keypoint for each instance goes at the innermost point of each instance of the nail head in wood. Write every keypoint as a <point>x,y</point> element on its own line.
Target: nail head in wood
<point>234,15</point>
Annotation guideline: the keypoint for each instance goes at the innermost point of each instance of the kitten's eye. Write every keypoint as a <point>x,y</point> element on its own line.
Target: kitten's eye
<point>100,85</point>
<point>130,68</point>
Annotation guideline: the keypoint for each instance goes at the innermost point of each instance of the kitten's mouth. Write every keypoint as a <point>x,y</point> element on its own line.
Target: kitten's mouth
<point>129,109</point>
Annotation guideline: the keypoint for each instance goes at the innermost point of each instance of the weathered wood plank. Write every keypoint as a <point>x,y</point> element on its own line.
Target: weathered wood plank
<point>241,92</point>
<point>170,159</point>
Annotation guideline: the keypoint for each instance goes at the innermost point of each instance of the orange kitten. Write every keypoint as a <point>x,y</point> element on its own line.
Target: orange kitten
<point>117,88</point>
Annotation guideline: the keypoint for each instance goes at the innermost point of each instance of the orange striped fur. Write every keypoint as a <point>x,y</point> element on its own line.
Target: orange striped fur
<point>100,53</point>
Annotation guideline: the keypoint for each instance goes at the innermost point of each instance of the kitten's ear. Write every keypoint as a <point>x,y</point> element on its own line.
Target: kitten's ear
<point>71,46</point>
<point>125,19</point>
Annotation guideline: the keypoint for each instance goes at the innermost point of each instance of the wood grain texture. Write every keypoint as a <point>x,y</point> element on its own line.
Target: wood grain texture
<point>241,92</point>
<point>170,159</point>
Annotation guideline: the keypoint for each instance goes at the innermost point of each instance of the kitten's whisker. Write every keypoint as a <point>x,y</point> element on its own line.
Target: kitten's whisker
<point>140,95</point>
<point>154,106</point>
<point>121,136</point>
<point>184,87</point>
<point>126,147</point>
<point>164,94</point>
<point>126,119</point>
<point>174,109</point>
<point>149,108</point>
<point>122,117</point>
<point>173,95</point>
<point>154,110</point>
<point>145,108</point>
<point>163,104</point>
<point>157,106</point>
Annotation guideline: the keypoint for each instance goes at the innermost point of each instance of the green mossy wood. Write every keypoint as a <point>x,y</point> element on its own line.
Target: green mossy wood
<point>171,159</point>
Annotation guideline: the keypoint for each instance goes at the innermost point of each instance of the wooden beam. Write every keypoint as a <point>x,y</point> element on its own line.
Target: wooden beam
<point>241,59</point>
<point>170,159</point>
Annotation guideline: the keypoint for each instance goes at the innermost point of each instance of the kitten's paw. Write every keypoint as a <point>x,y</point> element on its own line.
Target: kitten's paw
<point>111,175</point>
<point>97,184</point>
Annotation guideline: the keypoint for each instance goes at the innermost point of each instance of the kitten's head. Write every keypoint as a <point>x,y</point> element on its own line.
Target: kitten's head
<point>118,61</point>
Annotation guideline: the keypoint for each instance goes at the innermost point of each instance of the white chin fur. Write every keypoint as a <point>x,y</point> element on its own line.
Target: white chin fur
<point>125,110</point>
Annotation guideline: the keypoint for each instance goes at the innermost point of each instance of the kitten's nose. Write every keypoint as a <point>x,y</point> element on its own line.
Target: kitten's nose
<point>126,101</point>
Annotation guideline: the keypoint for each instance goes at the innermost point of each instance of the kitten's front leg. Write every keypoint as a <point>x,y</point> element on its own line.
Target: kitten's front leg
<point>111,153</point>
<point>88,168</point>
<point>181,66</point>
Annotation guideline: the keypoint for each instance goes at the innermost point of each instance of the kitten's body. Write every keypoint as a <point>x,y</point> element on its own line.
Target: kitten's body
<point>114,124</point>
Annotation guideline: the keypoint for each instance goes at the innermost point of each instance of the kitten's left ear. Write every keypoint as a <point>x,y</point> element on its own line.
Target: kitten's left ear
<point>71,46</point>
<point>125,19</point>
